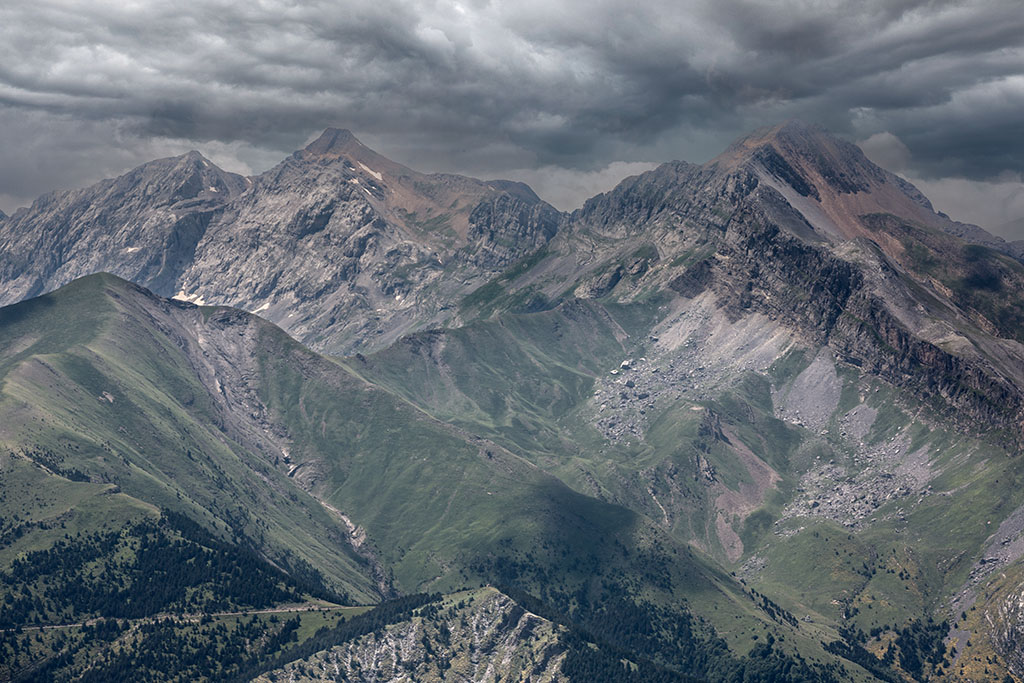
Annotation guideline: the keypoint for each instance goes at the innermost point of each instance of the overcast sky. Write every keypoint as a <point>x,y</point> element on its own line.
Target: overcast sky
<point>569,95</point>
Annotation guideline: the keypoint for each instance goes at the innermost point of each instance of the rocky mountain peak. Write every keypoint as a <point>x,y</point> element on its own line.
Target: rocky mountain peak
<point>806,157</point>
<point>795,132</point>
<point>339,144</point>
<point>189,161</point>
<point>835,187</point>
<point>188,178</point>
<point>334,141</point>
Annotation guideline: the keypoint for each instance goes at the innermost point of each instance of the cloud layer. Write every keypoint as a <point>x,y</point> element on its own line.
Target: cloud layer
<point>483,87</point>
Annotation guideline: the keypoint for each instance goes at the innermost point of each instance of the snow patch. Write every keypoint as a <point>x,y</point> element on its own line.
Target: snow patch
<point>264,307</point>
<point>369,170</point>
<point>196,299</point>
<point>213,189</point>
<point>132,250</point>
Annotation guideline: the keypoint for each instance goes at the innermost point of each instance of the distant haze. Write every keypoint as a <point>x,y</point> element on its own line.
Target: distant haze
<point>567,95</point>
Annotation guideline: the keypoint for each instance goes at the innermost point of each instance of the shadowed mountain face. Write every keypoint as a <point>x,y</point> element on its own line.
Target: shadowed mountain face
<point>782,354</point>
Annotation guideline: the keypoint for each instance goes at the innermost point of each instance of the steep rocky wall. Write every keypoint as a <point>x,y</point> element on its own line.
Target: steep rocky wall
<point>765,259</point>
<point>485,637</point>
<point>833,301</point>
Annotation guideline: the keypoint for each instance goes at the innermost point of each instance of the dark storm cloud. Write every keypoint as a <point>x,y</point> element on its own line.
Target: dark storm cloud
<point>541,88</point>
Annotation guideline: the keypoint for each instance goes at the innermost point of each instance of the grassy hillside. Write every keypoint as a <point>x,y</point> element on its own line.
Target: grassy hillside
<point>761,467</point>
<point>118,401</point>
<point>160,436</point>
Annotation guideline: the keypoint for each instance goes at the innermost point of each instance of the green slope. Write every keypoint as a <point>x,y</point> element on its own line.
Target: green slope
<point>291,460</point>
<point>476,456</point>
<point>115,399</point>
<point>895,507</point>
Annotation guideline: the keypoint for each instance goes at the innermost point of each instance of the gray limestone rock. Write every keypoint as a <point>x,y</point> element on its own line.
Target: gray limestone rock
<point>343,248</point>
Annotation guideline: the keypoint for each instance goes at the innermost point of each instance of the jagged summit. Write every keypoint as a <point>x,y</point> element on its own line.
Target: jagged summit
<point>193,159</point>
<point>185,177</point>
<point>340,143</point>
<point>814,170</point>
<point>834,185</point>
<point>801,153</point>
<point>514,187</point>
<point>333,141</point>
<point>445,188</point>
<point>791,129</point>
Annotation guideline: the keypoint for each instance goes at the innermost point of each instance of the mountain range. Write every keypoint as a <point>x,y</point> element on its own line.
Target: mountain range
<point>755,419</point>
<point>341,246</point>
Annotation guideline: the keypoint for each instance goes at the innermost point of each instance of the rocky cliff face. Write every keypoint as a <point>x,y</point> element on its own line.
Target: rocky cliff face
<point>1008,631</point>
<point>342,247</point>
<point>144,225</point>
<point>348,250</point>
<point>796,225</point>
<point>479,636</point>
